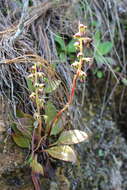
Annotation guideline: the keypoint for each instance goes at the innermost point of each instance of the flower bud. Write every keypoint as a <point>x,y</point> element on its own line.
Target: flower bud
<point>41,85</point>
<point>40,90</point>
<point>40,74</point>
<point>36,116</point>
<point>88,59</point>
<point>77,35</point>
<point>30,76</point>
<point>75,64</point>
<point>82,28</point>
<point>33,68</point>
<point>41,102</point>
<point>39,64</point>
<point>36,85</point>
<point>80,55</point>
<point>87,41</point>
<point>82,74</point>
<point>32,96</point>
<point>77,45</point>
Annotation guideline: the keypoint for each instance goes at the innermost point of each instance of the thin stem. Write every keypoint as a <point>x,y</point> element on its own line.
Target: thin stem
<point>35,181</point>
<point>37,103</point>
<point>79,69</point>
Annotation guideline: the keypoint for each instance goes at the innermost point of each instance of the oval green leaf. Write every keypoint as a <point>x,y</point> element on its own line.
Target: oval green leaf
<point>72,137</point>
<point>63,56</point>
<point>30,85</point>
<point>21,141</point>
<point>62,152</point>
<point>56,128</point>
<point>60,41</point>
<point>124,81</point>
<point>100,74</point>
<point>70,47</point>
<point>50,112</point>
<point>104,48</point>
<point>52,86</point>
<point>36,166</point>
<point>97,38</point>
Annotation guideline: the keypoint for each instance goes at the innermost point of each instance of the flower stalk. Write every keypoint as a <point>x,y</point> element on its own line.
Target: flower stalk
<point>81,43</point>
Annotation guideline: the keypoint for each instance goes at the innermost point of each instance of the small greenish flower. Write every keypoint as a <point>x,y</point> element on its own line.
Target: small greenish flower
<point>82,74</point>
<point>82,28</point>
<point>37,85</point>
<point>41,86</point>
<point>80,55</point>
<point>87,59</point>
<point>36,116</point>
<point>31,76</point>
<point>76,64</point>
<point>32,96</point>
<point>77,35</point>
<point>33,68</point>
<point>77,45</point>
<point>40,74</point>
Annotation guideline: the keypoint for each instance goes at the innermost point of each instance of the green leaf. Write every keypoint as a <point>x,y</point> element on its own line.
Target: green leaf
<point>57,128</point>
<point>25,126</point>
<point>30,85</point>
<point>117,69</point>
<point>97,38</point>
<point>36,166</point>
<point>29,160</point>
<point>109,60</point>
<point>60,41</point>
<point>72,137</point>
<point>62,152</point>
<point>52,86</point>
<point>21,114</point>
<point>99,60</point>
<point>26,121</point>
<point>21,141</point>
<point>124,81</point>
<point>104,48</point>
<point>70,47</point>
<point>53,65</point>
<point>94,23</point>
<point>63,56</point>
<point>101,153</point>
<point>100,74</point>
<point>50,112</point>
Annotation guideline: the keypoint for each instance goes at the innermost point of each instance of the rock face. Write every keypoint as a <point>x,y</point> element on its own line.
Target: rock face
<point>102,159</point>
<point>13,174</point>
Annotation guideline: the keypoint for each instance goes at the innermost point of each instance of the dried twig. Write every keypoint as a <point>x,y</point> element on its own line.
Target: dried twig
<point>21,22</point>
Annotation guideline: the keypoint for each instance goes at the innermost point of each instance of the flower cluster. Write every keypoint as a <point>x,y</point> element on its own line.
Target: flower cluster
<point>37,78</point>
<point>81,42</point>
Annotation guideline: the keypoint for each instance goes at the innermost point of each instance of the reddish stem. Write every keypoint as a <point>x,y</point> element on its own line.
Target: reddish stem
<point>35,181</point>
<point>69,100</point>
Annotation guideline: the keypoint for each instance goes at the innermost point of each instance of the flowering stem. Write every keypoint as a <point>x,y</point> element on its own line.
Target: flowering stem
<point>76,76</point>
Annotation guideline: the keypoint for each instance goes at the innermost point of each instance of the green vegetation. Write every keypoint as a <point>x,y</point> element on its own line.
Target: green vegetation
<point>64,49</point>
<point>102,49</point>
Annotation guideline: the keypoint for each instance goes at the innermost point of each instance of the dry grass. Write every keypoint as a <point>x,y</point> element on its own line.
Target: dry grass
<point>107,16</point>
<point>28,30</point>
